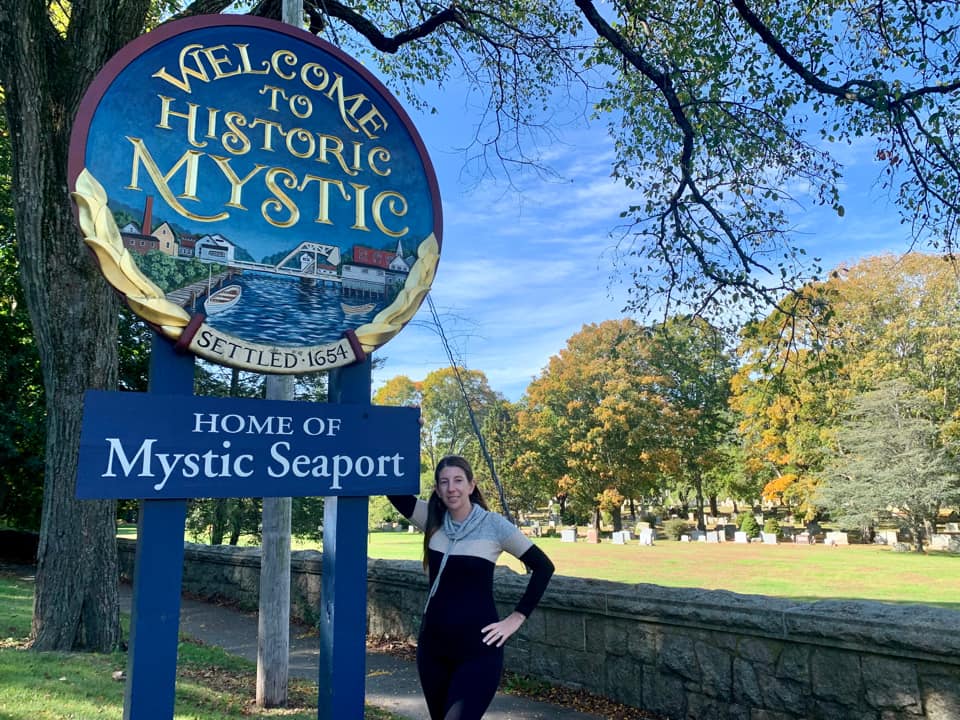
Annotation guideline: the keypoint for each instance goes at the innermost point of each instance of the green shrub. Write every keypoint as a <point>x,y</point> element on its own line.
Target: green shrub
<point>772,526</point>
<point>748,523</point>
<point>674,528</point>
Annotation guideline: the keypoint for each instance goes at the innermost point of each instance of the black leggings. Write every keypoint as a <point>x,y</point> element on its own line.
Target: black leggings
<point>459,687</point>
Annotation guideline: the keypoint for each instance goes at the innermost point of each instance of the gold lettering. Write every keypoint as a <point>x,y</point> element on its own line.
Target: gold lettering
<point>212,122</point>
<point>274,92</point>
<point>190,116</point>
<point>336,151</point>
<point>316,70</point>
<point>161,181</point>
<point>337,88</point>
<point>323,211</point>
<point>288,59</point>
<point>200,72</point>
<point>378,154</point>
<point>375,120</point>
<point>301,106</point>
<point>268,127</point>
<point>360,210</point>
<point>280,199</point>
<point>304,136</point>
<point>236,184</point>
<point>217,62</point>
<point>236,141</point>
<point>397,205</point>
<point>245,61</point>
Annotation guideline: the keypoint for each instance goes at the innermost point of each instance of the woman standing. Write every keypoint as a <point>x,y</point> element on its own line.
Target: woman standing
<point>460,648</point>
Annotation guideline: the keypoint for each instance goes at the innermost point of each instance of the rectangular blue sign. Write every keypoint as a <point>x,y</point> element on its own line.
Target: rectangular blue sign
<point>143,445</point>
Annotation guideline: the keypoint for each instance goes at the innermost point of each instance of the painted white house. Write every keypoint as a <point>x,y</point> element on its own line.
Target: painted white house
<point>215,248</point>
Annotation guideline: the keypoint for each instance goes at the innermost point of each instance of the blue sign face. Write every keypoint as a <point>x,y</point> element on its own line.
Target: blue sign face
<point>141,445</point>
<point>271,192</point>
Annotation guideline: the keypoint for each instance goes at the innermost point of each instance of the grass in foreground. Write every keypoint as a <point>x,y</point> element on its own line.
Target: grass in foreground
<point>211,685</point>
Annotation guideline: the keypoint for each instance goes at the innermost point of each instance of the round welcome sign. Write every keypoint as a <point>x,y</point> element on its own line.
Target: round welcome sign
<point>255,194</point>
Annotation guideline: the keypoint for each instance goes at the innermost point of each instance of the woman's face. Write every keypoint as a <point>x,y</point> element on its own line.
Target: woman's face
<point>454,489</point>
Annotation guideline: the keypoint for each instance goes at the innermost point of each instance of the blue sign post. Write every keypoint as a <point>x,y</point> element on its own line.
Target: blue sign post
<point>263,202</point>
<point>155,621</point>
<point>343,620</point>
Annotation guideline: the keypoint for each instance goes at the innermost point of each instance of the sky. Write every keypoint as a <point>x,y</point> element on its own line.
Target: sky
<point>527,261</point>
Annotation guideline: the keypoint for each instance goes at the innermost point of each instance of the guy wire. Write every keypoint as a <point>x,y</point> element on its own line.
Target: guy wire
<point>473,418</point>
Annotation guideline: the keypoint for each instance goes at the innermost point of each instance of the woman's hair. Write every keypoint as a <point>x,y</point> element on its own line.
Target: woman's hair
<point>435,507</point>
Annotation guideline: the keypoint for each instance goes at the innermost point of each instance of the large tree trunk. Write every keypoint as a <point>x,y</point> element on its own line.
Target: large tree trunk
<point>616,518</point>
<point>73,311</point>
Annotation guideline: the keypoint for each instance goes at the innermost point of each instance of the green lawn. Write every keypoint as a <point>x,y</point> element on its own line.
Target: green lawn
<point>211,685</point>
<point>801,572</point>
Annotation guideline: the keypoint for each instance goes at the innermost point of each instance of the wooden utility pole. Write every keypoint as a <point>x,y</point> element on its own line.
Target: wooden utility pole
<point>273,628</point>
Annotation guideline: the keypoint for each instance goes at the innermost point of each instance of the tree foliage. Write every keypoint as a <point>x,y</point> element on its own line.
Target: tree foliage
<point>892,463</point>
<point>443,396</point>
<point>21,404</point>
<point>691,357</point>
<point>726,116</point>
<point>595,423</point>
<point>883,319</point>
<point>447,426</point>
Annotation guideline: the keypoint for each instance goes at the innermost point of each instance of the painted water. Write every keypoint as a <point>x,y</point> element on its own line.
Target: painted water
<point>284,311</point>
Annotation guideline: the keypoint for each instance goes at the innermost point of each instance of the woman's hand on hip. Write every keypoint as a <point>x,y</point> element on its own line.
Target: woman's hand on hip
<point>497,633</point>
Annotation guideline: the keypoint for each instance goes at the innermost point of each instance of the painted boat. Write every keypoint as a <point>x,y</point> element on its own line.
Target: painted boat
<point>357,309</point>
<point>223,299</point>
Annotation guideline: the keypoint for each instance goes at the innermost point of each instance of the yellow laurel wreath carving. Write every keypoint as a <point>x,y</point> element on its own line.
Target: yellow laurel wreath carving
<point>102,235</point>
<point>389,321</point>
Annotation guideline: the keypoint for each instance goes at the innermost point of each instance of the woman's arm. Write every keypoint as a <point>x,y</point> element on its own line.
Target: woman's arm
<point>412,508</point>
<point>541,570</point>
<point>405,504</point>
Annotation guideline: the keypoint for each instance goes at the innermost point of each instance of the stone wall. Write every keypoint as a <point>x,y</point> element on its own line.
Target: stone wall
<point>691,654</point>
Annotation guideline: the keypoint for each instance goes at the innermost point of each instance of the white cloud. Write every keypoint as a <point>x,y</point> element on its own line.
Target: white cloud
<point>523,267</point>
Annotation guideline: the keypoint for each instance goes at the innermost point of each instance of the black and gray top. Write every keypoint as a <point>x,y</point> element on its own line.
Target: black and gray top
<point>462,600</point>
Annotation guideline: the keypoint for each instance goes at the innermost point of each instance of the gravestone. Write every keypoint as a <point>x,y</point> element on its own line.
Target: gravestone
<point>646,536</point>
<point>886,537</point>
<point>835,538</point>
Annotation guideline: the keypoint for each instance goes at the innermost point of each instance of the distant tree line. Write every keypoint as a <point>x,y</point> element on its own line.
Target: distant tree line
<point>845,409</point>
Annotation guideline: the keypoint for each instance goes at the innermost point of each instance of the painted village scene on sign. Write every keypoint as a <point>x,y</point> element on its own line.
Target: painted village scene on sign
<point>312,290</point>
<point>256,195</point>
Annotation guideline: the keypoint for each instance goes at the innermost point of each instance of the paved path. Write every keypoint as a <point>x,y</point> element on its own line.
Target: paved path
<point>391,681</point>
